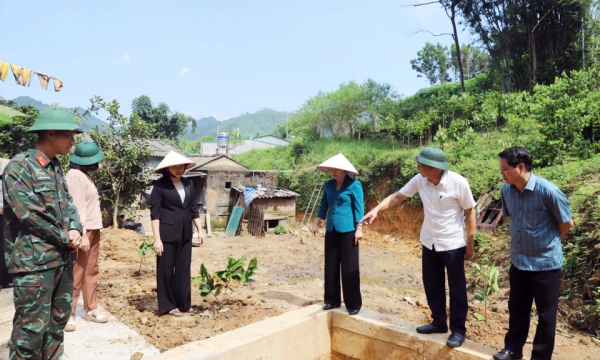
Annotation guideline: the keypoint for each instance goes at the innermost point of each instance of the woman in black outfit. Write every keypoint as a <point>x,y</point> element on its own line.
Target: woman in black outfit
<point>173,209</point>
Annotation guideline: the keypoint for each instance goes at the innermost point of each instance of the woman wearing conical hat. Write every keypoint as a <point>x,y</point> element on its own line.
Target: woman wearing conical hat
<point>173,209</point>
<point>343,206</point>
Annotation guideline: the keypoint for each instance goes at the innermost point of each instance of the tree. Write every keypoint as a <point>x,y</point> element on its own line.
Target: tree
<point>474,61</point>
<point>529,42</point>
<point>124,174</point>
<point>14,137</point>
<point>168,124</point>
<point>432,62</point>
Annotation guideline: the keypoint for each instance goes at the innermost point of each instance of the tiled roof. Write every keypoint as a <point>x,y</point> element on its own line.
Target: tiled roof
<point>160,148</point>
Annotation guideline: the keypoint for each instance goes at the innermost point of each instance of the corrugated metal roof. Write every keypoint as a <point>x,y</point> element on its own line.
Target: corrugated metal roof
<point>279,192</point>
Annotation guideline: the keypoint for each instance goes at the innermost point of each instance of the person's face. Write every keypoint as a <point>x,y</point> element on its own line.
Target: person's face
<point>176,171</point>
<point>62,141</point>
<point>510,174</point>
<point>336,173</point>
<point>425,170</point>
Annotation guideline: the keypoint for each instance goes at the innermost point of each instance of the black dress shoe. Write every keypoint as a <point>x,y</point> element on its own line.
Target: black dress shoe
<point>353,312</point>
<point>506,354</point>
<point>431,329</point>
<point>330,306</point>
<point>455,340</point>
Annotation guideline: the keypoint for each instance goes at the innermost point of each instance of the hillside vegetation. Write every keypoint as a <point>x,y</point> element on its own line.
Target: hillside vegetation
<point>262,122</point>
<point>557,122</point>
<point>87,123</point>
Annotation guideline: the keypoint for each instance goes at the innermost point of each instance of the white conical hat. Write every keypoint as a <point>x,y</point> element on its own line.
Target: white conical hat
<point>3,163</point>
<point>172,159</point>
<point>338,162</point>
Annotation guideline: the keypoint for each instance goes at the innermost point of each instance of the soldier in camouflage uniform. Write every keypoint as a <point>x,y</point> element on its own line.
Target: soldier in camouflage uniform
<point>41,231</point>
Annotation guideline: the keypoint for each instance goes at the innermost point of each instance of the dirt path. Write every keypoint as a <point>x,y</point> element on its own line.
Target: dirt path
<point>290,276</point>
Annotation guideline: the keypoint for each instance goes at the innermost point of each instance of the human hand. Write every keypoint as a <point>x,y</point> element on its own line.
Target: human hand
<point>370,217</point>
<point>75,239</point>
<point>314,230</point>
<point>358,235</point>
<point>1,210</point>
<point>469,251</point>
<point>85,243</point>
<point>158,247</point>
<point>200,238</point>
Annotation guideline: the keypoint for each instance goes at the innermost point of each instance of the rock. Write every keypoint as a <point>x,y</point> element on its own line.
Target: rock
<point>137,356</point>
<point>144,320</point>
<point>302,241</point>
<point>583,342</point>
<point>409,300</point>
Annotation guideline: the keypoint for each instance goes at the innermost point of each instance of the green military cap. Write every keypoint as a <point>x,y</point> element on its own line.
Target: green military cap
<point>434,157</point>
<point>87,153</point>
<point>55,120</point>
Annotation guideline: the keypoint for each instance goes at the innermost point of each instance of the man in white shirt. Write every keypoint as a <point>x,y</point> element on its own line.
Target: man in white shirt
<point>448,204</point>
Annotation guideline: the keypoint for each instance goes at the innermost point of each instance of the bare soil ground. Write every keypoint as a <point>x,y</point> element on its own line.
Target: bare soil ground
<point>291,276</point>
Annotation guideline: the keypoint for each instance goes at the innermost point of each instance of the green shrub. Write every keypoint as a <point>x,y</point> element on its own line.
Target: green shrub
<point>280,229</point>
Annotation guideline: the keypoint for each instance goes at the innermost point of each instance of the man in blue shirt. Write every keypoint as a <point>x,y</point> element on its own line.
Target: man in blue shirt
<point>539,216</point>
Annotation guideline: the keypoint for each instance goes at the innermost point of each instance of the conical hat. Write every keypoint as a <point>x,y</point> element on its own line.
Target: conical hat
<point>172,159</point>
<point>338,162</point>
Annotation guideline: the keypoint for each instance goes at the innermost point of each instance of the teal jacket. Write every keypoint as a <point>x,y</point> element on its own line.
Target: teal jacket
<point>343,207</point>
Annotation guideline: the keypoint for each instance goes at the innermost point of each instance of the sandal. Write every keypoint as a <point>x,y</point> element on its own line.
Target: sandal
<point>175,312</point>
<point>96,316</point>
<point>70,325</point>
<point>186,310</point>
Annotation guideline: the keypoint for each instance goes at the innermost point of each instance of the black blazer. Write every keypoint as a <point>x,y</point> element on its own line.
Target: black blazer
<point>175,217</point>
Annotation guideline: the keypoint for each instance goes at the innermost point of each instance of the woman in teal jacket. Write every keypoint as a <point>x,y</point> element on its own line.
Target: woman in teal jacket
<point>343,205</point>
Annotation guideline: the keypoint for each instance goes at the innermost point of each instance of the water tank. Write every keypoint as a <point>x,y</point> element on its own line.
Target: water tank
<point>223,140</point>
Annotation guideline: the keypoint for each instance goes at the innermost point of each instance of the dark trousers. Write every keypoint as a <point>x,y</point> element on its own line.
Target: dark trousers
<point>5,277</point>
<point>173,283</point>
<point>525,287</point>
<point>42,309</point>
<point>435,265</point>
<point>340,251</point>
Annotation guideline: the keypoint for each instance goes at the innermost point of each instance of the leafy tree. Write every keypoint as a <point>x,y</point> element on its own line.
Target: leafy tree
<point>529,42</point>
<point>475,61</point>
<point>14,137</point>
<point>167,124</point>
<point>124,174</point>
<point>432,62</point>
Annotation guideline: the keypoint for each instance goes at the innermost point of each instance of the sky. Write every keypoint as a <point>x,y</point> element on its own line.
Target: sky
<point>214,58</point>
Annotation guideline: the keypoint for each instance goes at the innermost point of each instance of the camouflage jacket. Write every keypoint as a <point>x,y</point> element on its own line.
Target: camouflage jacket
<point>38,213</point>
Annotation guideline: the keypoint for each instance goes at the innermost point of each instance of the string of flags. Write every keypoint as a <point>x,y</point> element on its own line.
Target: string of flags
<point>25,76</point>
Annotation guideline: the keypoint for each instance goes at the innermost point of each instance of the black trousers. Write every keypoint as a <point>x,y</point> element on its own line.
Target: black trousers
<point>525,287</point>
<point>340,251</point>
<point>435,265</point>
<point>173,282</point>
<point>5,277</point>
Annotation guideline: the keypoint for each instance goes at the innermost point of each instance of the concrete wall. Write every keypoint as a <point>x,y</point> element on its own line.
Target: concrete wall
<point>300,335</point>
<point>311,333</point>
<point>278,207</point>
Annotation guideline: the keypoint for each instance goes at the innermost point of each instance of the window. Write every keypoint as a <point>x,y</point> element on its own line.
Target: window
<point>228,185</point>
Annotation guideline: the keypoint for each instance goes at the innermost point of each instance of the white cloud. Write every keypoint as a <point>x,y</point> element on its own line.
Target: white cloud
<point>184,71</point>
<point>125,59</point>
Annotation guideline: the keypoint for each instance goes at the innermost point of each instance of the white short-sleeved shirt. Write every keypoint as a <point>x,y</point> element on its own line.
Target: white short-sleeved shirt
<point>444,205</point>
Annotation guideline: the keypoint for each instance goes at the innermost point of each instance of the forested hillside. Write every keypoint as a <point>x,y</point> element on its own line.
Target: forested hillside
<point>537,85</point>
<point>262,122</point>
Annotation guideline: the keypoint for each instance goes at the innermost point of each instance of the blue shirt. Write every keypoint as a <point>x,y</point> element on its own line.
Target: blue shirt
<point>535,214</point>
<point>344,207</point>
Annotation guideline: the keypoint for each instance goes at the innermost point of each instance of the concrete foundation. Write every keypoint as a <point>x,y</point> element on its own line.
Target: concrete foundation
<point>310,333</point>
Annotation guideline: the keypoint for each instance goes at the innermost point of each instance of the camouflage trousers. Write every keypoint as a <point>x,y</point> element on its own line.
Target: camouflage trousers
<point>42,308</point>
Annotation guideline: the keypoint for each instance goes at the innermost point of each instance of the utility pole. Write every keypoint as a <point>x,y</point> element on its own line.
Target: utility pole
<point>287,135</point>
<point>238,131</point>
